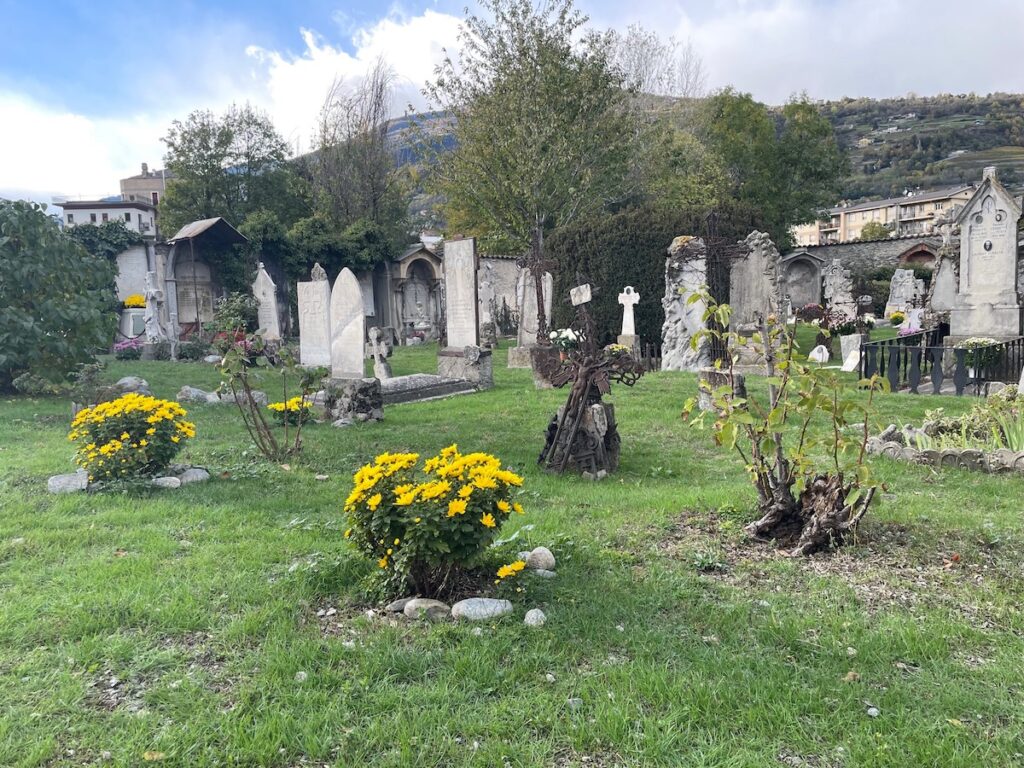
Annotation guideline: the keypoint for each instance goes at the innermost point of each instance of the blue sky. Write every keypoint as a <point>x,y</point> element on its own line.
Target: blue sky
<point>88,88</point>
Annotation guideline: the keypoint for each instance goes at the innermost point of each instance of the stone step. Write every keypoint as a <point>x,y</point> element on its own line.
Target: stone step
<point>418,387</point>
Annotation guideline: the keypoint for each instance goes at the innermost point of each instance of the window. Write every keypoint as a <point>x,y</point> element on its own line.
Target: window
<point>128,216</point>
<point>92,217</point>
<point>71,218</point>
<point>104,218</point>
<point>156,198</point>
<point>140,219</point>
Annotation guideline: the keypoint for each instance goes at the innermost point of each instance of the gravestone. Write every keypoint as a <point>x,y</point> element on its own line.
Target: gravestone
<point>819,354</point>
<point>462,357</point>
<point>838,290</point>
<point>942,295</point>
<point>914,321</point>
<point>526,298</point>
<point>265,291</point>
<point>685,273</point>
<point>381,366</point>
<point>905,291</point>
<point>348,327</point>
<point>151,316</point>
<point>628,299</point>
<point>988,300</point>
<point>315,319</point>
<point>851,362</point>
<point>755,283</point>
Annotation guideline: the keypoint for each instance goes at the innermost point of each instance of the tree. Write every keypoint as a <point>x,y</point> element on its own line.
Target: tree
<point>874,230</point>
<point>360,245</point>
<point>542,127</point>
<point>787,164</point>
<point>107,240</point>
<point>56,300</point>
<point>227,166</point>
<point>650,65</point>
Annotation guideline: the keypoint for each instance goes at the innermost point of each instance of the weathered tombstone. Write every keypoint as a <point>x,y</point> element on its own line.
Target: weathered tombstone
<point>850,343</point>
<point>315,319</point>
<point>838,290</point>
<point>265,291</point>
<point>904,292</point>
<point>628,299</point>
<point>381,366</point>
<point>348,327</point>
<point>988,302</point>
<point>819,354</point>
<point>526,298</point>
<point>463,358</point>
<point>685,273</point>
<point>755,282</point>
<point>914,321</point>
<point>851,362</point>
<point>710,380</point>
<point>942,296</point>
<point>151,317</point>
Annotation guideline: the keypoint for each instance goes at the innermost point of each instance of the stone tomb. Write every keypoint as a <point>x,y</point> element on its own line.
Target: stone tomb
<point>755,283</point>
<point>315,319</point>
<point>838,290</point>
<point>988,300</point>
<point>265,291</point>
<point>685,272</point>
<point>462,358</point>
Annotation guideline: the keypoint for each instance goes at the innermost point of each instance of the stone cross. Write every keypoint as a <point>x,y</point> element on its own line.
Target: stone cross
<point>381,366</point>
<point>628,299</point>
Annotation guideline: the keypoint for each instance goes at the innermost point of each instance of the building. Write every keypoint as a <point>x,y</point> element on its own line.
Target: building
<point>138,216</point>
<point>909,215</point>
<point>147,187</point>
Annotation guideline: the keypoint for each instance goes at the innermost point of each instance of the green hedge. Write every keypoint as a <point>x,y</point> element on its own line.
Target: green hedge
<point>629,248</point>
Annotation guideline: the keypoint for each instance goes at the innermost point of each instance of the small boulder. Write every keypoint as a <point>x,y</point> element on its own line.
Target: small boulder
<point>541,573</point>
<point>70,483</point>
<point>166,482</point>
<point>481,609</point>
<point>398,606</point>
<point>192,395</point>
<point>535,618</point>
<point>194,475</point>
<point>128,384</point>
<point>421,607</point>
<point>212,359</point>
<point>542,559</point>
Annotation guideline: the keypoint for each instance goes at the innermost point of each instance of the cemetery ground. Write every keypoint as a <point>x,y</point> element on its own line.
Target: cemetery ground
<point>224,622</point>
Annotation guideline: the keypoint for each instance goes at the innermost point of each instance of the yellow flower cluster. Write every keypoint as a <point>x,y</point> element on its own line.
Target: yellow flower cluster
<point>511,569</point>
<point>135,301</point>
<point>129,435</point>
<point>292,405</point>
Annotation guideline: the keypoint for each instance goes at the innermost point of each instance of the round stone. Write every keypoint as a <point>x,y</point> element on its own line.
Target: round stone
<point>421,607</point>
<point>541,559</point>
<point>480,609</point>
<point>535,618</point>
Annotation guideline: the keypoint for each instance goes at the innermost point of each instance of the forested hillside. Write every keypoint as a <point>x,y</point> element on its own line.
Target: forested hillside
<point>934,141</point>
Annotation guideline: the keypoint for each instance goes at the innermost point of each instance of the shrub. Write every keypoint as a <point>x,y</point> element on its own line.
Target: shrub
<point>294,411</point>
<point>129,349</point>
<point>236,312</point>
<point>808,313</point>
<point>982,352</point>
<point>132,436</point>
<point>421,526</point>
<point>193,350</point>
<point>135,301</point>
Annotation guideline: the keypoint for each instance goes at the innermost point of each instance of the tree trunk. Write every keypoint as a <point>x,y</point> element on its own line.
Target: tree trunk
<point>537,271</point>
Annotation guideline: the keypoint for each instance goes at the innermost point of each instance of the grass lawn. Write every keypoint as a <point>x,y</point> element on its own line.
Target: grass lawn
<point>173,626</point>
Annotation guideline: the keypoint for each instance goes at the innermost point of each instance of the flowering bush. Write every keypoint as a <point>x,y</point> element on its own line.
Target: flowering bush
<point>982,352</point>
<point>132,436</point>
<point>810,312</point>
<point>564,338</point>
<point>295,410</point>
<point>135,301</point>
<point>422,525</point>
<point>129,349</point>
<point>898,317</point>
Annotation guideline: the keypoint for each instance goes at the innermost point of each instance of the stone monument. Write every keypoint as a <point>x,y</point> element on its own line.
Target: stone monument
<point>348,327</point>
<point>526,300</point>
<point>463,358</point>
<point>755,283</point>
<point>838,290</point>
<point>265,291</point>
<point>629,299</point>
<point>315,319</point>
<point>904,292</point>
<point>381,366</point>
<point>988,300</point>
<point>685,272</point>
<point>942,294</point>
<point>151,317</point>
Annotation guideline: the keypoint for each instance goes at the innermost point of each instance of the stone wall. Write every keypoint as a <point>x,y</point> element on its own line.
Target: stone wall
<point>864,258</point>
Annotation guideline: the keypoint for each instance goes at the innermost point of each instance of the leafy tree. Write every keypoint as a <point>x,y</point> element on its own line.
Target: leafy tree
<point>360,245</point>
<point>541,122</point>
<point>107,240</point>
<point>225,166</point>
<point>874,230</point>
<point>56,300</point>
<point>786,164</point>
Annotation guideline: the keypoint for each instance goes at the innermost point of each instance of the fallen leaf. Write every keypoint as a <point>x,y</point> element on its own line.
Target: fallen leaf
<point>953,721</point>
<point>151,756</point>
<point>120,553</point>
<point>286,467</point>
<point>851,677</point>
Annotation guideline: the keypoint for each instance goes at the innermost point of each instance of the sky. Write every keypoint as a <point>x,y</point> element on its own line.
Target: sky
<point>88,89</point>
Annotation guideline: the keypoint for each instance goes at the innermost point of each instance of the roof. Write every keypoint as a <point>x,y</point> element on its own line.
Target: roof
<point>161,174</point>
<point>80,204</point>
<point>412,250</point>
<point>924,197</point>
<point>216,228</point>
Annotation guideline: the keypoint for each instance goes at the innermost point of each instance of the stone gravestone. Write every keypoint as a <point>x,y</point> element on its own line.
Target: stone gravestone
<point>988,302</point>
<point>904,292</point>
<point>851,362</point>
<point>348,327</point>
<point>755,283</point>
<point>942,295</point>
<point>381,366</point>
<point>315,319</point>
<point>628,299</point>
<point>838,290</point>
<point>463,358</point>
<point>685,272</point>
<point>819,354</point>
<point>526,299</point>
<point>151,316</point>
<point>265,292</point>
